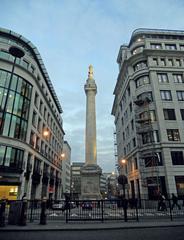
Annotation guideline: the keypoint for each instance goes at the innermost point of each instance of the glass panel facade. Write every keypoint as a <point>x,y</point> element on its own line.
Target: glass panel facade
<point>15,99</point>
<point>11,157</point>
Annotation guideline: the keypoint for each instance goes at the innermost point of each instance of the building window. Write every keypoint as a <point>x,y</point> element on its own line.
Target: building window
<point>148,116</point>
<point>127,131</point>
<point>177,157</point>
<point>162,62</point>
<point>32,69</point>
<point>152,161</point>
<point>180,95</point>
<point>42,148</point>
<point>34,118</point>
<point>173,135</point>
<point>155,61</point>
<point>41,107</point>
<point>182,113</point>
<point>48,118</point>
<point>181,47</point>
<point>51,123</point>
<point>180,185</point>
<point>140,65</point>
<point>37,166</point>
<point>32,139</point>
<point>11,157</point>
<point>169,114</point>
<point>38,78</point>
<point>156,45</point>
<point>170,46</point>
<point>37,143</point>
<point>134,142</point>
<point>121,107</point>
<point>170,62</point>
<point>39,125</point>
<point>178,63</point>
<point>6,55</point>
<point>178,78</point>
<point>43,87</point>
<point>128,91</point>
<point>166,95</point>
<point>123,136</point>
<point>132,124</point>
<point>130,107</point>
<point>4,79</point>
<point>124,150</point>
<point>143,80</point>
<point>25,64</point>
<point>136,164</point>
<point>122,121</point>
<point>150,137</point>
<point>44,114</point>
<point>36,99</point>
<point>14,116</point>
<point>138,50</point>
<point>162,78</point>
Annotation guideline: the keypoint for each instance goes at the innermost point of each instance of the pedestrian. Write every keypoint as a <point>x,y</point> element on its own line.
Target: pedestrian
<point>175,202</point>
<point>161,203</point>
<point>67,203</point>
<point>125,207</point>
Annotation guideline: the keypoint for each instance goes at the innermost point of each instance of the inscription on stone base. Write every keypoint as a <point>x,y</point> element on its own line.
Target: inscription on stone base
<point>90,182</point>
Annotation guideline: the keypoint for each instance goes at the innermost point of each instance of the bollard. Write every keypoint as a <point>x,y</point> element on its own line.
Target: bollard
<point>23,213</point>
<point>2,212</point>
<point>43,216</point>
<point>102,208</point>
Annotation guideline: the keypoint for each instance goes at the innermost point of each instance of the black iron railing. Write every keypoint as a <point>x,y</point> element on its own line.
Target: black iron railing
<point>102,210</point>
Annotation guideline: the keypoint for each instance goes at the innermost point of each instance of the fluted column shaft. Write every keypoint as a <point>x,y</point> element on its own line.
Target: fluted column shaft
<point>90,141</point>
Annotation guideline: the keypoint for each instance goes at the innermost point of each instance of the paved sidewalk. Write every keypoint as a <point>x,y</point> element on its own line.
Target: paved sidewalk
<point>83,226</point>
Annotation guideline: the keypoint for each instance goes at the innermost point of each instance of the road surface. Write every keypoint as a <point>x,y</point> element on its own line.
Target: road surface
<point>164,233</point>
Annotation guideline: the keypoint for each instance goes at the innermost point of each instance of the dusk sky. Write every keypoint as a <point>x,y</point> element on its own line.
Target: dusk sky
<point>72,34</point>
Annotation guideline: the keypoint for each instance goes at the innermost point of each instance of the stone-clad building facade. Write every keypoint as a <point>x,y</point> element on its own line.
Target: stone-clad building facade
<point>149,112</point>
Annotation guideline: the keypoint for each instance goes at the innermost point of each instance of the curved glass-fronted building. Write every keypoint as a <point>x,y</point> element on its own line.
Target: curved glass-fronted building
<point>31,132</point>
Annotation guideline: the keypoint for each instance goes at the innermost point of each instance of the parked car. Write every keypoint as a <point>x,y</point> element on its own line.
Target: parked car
<point>58,206</point>
<point>87,205</point>
<point>62,205</point>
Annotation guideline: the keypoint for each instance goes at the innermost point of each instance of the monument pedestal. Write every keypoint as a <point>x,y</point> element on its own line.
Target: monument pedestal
<point>90,182</point>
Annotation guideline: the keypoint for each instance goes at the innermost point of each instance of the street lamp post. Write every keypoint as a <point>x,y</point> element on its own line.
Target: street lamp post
<point>16,52</point>
<point>122,179</point>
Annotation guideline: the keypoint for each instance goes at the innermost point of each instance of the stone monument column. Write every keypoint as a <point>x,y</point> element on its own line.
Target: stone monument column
<point>90,139</point>
<point>90,173</point>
